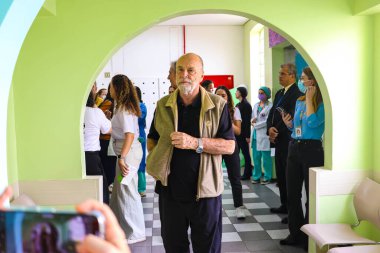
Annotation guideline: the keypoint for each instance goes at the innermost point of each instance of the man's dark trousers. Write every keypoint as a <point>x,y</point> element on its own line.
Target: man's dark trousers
<point>203,216</point>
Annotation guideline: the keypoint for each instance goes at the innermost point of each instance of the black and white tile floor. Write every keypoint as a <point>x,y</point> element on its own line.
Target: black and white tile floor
<point>260,232</point>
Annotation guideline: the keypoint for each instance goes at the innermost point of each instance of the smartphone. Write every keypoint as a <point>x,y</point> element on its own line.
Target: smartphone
<point>40,231</point>
<point>281,110</point>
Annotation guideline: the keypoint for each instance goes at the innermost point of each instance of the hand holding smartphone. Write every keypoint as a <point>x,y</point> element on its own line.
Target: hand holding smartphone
<point>36,230</point>
<point>114,241</point>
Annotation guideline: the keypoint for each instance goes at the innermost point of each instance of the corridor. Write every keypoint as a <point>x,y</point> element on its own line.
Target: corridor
<point>260,232</point>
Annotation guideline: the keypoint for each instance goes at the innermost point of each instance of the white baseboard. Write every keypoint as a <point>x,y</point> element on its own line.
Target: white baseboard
<point>61,192</point>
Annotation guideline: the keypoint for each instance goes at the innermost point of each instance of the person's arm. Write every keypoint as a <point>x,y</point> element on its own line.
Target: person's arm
<point>143,111</point>
<point>114,242</point>
<point>105,124</point>
<point>214,146</point>
<point>128,122</point>
<point>124,152</point>
<point>309,100</point>
<point>223,143</point>
<point>318,118</point>
<point>236,124</point>
<point>237,127</point>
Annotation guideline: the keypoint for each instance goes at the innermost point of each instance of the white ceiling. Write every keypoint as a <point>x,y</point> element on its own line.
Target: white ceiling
<point>206,19</point>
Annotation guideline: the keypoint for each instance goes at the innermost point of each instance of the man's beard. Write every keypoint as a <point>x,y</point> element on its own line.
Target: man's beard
<point>186,89</point>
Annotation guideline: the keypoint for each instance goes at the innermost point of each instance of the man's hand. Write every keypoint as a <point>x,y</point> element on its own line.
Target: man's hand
<point>273,133</point>
<point>253,121</point>
<point>183,141</point>
<point>114,241</point>
<point>287,118</point>
<point>7,193</point>
<point>123,167</point>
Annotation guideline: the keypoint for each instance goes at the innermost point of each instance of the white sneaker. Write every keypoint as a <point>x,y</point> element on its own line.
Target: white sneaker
<point>132,241</point>
<point>240,212</point>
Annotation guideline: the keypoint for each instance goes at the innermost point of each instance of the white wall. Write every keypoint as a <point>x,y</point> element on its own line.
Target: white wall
<point>221,48</point>
<point>146,58</point>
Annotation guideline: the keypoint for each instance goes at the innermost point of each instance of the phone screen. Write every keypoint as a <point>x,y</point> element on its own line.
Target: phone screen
<point>40,232</point>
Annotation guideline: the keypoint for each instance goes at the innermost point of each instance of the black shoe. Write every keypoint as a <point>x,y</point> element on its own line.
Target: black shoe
<point>280,209</point>
<point>284,220</point>
<point>290,240</point>
<point>245,178</point>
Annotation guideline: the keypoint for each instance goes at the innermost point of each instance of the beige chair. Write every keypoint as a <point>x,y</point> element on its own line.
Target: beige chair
<point>367,207</point>
<point>356,249</point>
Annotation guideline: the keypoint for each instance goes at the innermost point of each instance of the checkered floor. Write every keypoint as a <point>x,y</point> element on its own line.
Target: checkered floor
<point>260,232</point>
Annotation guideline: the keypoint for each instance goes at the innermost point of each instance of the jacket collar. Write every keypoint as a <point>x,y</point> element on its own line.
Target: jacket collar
<point>207,103</point>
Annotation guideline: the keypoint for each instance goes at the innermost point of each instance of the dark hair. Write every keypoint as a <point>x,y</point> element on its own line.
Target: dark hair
<point>138,91</point>
<point>243,92</point>
<point>126,95</point>
<point>292,69</point>
<point>90,100</point>
<point>206,83</point>
<point>108,96</point>
<point>317,99</point>
<point>230,102</point>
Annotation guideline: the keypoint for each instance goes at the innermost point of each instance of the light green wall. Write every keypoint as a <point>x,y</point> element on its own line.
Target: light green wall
<point>11,147</point>
<point>376,91</point>
<point>277,60</point>
<point>16,18</point>
<point>366,6</point>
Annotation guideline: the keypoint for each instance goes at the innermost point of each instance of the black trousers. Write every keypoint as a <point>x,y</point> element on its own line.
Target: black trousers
<point>233,170</point>
<point>109,162</point>
<point>281,156</point>
<point>94,167</point>
<point>204,218</point>
<point>243,145</point>
<point>302,155</point>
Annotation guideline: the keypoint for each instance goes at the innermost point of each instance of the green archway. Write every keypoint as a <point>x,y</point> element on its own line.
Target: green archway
<point>66,48</point>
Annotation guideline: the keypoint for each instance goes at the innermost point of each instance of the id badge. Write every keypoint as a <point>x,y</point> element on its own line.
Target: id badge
<point>298,132</point>
<point>272,152</point>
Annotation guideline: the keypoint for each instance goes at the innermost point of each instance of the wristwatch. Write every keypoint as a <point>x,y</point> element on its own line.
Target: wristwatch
<point>200,146</point>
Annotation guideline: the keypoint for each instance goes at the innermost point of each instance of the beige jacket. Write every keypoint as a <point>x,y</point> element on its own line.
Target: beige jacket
<point>210,180</point>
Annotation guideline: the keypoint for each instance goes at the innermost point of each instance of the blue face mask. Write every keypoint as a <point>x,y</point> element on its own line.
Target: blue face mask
<point>301,86</point>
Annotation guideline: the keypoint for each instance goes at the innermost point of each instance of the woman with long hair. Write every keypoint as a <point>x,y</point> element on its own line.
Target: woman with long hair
<point>305,151</point>
<point>233,161</point>
<point>125,199</point>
